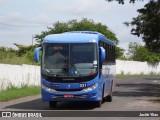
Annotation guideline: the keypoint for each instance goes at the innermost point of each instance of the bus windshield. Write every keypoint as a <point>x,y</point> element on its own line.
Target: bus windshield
<point>64,59</point>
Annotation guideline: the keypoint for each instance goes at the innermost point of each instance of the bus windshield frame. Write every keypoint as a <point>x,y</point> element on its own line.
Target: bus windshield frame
<point>69,59</point>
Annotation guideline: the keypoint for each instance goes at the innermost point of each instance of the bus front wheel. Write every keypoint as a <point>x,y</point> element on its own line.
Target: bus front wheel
<point>52,104</point>
<point>98,103</point>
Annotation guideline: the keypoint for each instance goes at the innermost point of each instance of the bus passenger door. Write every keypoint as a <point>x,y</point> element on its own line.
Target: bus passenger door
<point>107,80</point>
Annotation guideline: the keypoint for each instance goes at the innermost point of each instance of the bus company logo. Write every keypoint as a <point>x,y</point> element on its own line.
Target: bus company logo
<point>68,86</point>
<point>6,114</point>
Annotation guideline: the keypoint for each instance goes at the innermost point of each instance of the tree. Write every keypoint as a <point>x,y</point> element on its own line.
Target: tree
<point>147,24</point>
<point>122,1</point>
<point>138,52</point>
<point>22,49</point>
<point>83,25</point>
<point>119,52</point>
<point>74,25</point>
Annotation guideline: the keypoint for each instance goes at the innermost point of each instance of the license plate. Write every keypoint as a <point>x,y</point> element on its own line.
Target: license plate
<point>68,96</point>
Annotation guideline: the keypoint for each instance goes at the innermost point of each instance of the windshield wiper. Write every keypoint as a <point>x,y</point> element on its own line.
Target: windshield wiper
<point>50,73</point>
<point>47,70</point>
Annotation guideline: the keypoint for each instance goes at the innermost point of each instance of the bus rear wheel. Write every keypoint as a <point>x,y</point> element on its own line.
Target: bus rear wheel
<point>52,104</point>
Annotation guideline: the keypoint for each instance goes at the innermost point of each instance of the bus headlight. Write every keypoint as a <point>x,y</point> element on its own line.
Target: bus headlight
<point>47,88</point>
<point>90,88</point>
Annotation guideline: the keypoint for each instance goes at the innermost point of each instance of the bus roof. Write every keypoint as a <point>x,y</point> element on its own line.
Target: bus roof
<point>77,37</point>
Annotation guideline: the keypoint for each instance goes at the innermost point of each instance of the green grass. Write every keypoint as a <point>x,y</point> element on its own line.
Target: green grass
<point>157,99</point>
<point>14,93</point>
<point>15,60</point>
<point>137,75</point>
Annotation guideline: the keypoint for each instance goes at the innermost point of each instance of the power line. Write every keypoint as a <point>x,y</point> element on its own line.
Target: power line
<point>15,19</point>
<point>24,20</point>
<point>12,25</point>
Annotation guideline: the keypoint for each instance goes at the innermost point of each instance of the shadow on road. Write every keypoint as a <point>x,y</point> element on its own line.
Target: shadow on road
<point>130,87</point>
<point>37,104</point>
<point>138,88</point>
<point>153,78</point>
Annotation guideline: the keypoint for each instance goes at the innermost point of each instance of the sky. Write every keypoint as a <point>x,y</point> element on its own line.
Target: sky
<point>20,20</point>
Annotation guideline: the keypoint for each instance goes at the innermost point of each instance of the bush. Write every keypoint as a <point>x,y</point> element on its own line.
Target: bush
<point>141,53</point>
<point>24,55</point>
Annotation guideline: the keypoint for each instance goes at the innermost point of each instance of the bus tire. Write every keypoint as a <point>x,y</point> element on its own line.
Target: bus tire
<point>52,104</point>
<point>98,103</point>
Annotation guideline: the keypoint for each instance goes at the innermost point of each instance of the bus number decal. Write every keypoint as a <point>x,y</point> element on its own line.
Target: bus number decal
<point>83,85</point>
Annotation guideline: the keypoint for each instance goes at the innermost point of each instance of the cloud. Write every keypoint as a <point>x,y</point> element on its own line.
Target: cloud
<point>3,2</point>
<point>46,11</point>
<point>82,7</point>
<point>18,19</point>
<point>94,7</point>
<point>42,18</point>
<point>43,1</point>
<point>21,35</point>
<point>125,38</point>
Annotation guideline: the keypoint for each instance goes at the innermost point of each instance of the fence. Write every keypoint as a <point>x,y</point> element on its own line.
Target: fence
<point>135,67</point>
<point>19,75</point>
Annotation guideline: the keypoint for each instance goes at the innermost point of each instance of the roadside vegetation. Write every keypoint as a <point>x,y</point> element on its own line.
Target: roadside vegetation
<point>14,92</point>
<point>138,52</point>
<point>24,55</point>
<point>157,99</point>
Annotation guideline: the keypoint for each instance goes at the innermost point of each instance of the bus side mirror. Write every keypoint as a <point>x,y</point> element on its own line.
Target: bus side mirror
<point>36,54</point>
<point>102,54</point>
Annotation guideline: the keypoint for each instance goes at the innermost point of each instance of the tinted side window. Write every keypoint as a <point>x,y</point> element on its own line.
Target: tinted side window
<point>110,52</point>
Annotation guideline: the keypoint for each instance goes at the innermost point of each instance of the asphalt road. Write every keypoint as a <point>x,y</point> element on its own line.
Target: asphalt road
<point>132,94</point>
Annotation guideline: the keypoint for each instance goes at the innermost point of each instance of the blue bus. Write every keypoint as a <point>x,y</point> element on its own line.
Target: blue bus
<point>77,66</point>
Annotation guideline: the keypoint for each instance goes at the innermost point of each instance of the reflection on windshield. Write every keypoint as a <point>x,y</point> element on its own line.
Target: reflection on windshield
<point>69,59</point>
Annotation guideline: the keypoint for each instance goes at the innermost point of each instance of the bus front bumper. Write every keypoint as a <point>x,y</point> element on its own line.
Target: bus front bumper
<point>92,95</point>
